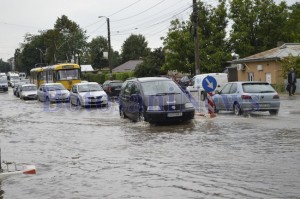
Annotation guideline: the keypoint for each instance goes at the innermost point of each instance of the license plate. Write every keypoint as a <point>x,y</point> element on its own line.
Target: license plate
<point>178,114</point>
<point>264,105</point>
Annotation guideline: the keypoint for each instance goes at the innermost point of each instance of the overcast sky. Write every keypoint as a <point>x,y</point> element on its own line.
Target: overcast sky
<point>150,18</point>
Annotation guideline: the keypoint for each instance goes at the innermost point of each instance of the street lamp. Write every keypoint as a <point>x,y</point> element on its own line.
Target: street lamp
<point>41,54</point>
<point>109,47</point>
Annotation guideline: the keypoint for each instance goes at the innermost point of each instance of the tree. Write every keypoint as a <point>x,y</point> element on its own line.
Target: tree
<point>134,47</point>
<point>96,47</point>
<point>213,46</point>
<point>290,62</point>
<point>178,47</point>
<point>257,25</point>
<point>292,29</point>
<point>151,65</point>
<point>4,66</point>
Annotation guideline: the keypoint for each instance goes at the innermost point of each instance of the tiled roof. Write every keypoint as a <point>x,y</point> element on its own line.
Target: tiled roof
<point>274,54</point>
<point>127,66</point>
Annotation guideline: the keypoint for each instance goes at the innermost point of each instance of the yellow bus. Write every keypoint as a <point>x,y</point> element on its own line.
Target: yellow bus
<point>66,73</point>
<point>36,76</point>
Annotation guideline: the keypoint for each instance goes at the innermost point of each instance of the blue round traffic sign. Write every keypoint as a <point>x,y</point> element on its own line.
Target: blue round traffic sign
<point>209,84</point>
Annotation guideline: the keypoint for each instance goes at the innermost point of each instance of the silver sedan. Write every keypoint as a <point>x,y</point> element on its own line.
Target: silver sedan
<point>242,97</point>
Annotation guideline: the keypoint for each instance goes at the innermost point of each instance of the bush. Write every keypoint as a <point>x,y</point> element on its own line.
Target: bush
<point>280,88</point>
<point>102,77</point>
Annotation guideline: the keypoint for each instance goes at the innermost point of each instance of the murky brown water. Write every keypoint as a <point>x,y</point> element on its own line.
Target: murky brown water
<point>92,153</point>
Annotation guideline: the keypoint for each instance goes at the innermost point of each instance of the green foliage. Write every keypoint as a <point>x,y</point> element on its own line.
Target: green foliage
<point>96,47</point>
<point>290,62</point>
<point>257,25</point>
<point>123,76</point>
<point>178,48</point>
<point>4,66</point>
<point>135,47</point>
<point>213,46</point>
<point>102,77</point>
<point>292,28</point>
<point>151,66</point>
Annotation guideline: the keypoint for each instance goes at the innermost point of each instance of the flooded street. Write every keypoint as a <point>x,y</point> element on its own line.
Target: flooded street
<point>93,153</point>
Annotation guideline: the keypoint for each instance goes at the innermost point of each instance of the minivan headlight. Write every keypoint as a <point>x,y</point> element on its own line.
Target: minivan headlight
<point>153,108</point>
<point>188,105</point>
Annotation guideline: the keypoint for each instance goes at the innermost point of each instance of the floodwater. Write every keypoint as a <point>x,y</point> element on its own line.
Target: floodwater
<point>92,153</point>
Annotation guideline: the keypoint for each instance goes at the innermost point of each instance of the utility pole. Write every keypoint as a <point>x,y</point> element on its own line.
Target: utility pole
<point>196,37</point>
<point>109,48</point>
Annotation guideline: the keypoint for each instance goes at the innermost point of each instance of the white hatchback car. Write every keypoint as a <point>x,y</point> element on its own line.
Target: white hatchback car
<point>88,94</point>
<point>28,91</point>
<point>53,92</point>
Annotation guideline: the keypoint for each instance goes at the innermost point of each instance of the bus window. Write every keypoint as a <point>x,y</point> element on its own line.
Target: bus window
<point>68,74</point>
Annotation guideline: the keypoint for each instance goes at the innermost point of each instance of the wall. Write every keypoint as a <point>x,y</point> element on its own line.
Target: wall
<point>272,67</point>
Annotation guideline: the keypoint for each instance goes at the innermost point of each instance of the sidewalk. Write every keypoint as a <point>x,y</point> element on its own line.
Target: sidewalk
<point>285,96</point>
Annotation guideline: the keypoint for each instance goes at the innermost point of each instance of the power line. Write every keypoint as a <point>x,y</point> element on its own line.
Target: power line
<point>140,12</point>
<point>124,8</point>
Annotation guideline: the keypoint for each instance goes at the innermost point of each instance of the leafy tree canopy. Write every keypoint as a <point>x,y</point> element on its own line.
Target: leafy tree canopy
<point>134,47</point>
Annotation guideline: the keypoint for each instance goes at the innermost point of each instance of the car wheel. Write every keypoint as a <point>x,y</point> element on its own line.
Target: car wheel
<point>38,98</point>
<point>237,109</point>
<point>122,114</point>
<point>273,112</point>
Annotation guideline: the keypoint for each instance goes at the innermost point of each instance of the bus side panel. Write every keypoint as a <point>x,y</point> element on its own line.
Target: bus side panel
<point>69,83</point>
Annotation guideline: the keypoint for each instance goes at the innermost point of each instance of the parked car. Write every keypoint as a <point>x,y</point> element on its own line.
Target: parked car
<point>16,88</point>
<point>195,88</point>
<point>155,100</point>
<point>88,94</point>
<point>3,84</point>
<point>53,92</point>
<point>28,91</point>
<point>241,97</point>
<point>112,87</point>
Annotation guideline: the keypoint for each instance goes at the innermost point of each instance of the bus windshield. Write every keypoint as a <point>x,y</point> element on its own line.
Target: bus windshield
<point>68,74</point>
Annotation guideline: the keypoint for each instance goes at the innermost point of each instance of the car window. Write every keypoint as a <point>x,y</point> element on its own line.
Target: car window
<point>74,89</point>
<point>28,88</point>
<point>89,87</point>
<point>258,88</point>
<point>127,88</point>
<point>233,88</point>
<point>55,87</point>
<point>226,89</point>
<point>134,89</point>
<point>115,84</point>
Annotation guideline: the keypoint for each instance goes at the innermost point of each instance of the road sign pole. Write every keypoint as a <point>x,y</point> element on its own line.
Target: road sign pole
<point>209,84</point>
<point>210,105</point>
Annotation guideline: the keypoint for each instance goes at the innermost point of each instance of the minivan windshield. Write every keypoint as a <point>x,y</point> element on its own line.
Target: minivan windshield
<point>165,87</point>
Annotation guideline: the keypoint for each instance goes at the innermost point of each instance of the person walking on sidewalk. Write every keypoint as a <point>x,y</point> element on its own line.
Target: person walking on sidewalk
<point>292,80</point>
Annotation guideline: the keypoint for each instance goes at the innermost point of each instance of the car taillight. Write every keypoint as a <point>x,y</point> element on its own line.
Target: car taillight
<point>276,97</point>
<point>246,97</point>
